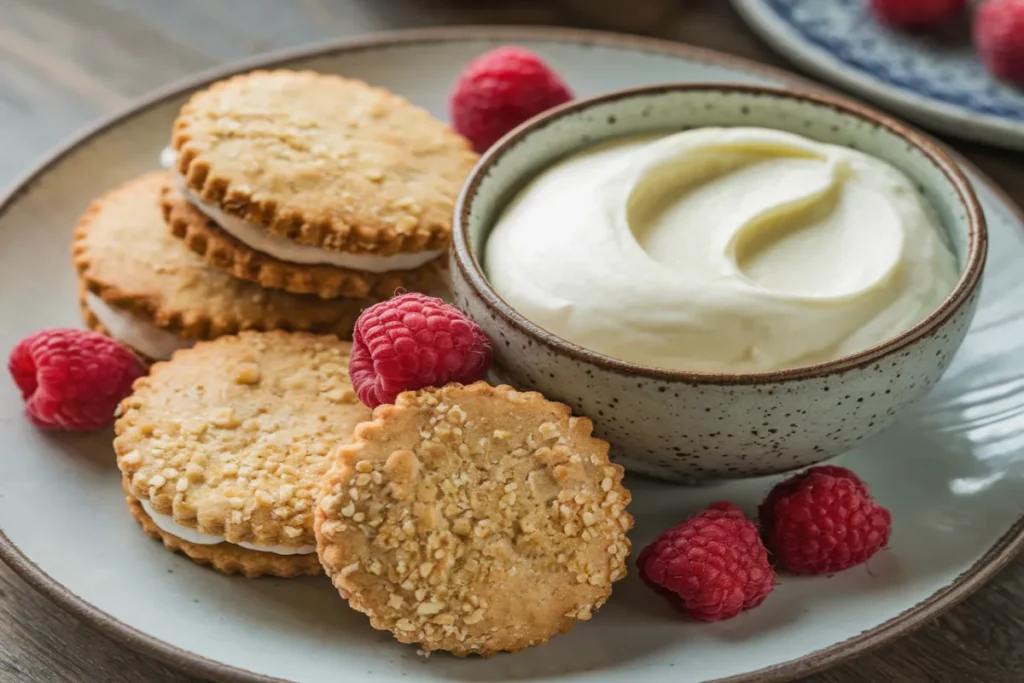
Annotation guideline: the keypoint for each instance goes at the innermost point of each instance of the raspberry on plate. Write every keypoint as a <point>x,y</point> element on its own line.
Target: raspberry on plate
<point>712,566</point>
<point>916,13</point>
<point>500,90</point>
<point>823,521</point>
<point>73,379</point>
<point>999,38</point>
<point>414,341</point>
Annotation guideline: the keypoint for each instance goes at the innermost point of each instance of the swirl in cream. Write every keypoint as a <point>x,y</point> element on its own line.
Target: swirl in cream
<point>721,250</point>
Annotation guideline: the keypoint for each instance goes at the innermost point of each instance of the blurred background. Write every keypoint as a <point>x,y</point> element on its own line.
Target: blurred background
<point>66,62</point>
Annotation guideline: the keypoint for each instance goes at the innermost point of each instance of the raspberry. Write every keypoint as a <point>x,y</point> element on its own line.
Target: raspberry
<point>712,566</point>
<point>501,89</point>
<point>789,486</point>
<point>414,341</point>
<point>823,521</point>
<point>916,13</point>
<point>999,38</point>
<point>73,379</point>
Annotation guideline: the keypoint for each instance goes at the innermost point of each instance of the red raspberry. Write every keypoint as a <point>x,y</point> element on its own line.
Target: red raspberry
<point>501,89</point>
<point>999,38</point>
<point>916,13</point>
<point>823,521</point>
<point>712,566</point>
<point>414,341</point>
<point>789,486</point>
<point>73,379</point>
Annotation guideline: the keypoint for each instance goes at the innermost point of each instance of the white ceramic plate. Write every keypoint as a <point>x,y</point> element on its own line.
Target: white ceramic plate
<point>952,472</point>
<point>935,80</point>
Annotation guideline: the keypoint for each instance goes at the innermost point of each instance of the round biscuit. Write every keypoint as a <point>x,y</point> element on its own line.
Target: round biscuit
<point>474,519</point>
<point>323,160</point>
<point>231,437</point>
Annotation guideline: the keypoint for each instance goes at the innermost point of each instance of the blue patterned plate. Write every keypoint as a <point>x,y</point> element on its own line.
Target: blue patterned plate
<point>934,80</point>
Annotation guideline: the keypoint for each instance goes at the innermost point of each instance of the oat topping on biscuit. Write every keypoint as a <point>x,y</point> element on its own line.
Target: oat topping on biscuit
<point>474,519</point>
<point>231,437</point>
<point>323,160</point>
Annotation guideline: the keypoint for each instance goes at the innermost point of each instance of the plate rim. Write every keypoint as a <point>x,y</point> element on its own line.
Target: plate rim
<point>940,116</point>
<point>995,559</point>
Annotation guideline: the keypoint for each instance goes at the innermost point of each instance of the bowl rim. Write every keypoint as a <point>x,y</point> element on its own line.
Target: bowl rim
<point>473,273</point>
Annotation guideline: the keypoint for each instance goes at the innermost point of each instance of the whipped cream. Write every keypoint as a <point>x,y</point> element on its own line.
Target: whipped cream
<point>167,524</point>
<point>257,237</point>
<point>143,336</point>
<point>721,250</point>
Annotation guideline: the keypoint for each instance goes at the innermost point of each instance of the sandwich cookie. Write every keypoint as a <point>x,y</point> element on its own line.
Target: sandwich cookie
<point>474,519</point>
<point>139,284</point>
<point>221,449</point>
<point>315,183</point>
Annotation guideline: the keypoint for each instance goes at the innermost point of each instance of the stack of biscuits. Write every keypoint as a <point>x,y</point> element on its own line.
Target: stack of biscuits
<point>289,200</point>
<point>472,519</point>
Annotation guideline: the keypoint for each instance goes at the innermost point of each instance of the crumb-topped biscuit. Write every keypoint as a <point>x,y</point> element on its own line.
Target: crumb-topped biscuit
<point>221,249</point>
<point>323,160</point>
<point>127,259</point>
<point>474,519</point>
<point>224,445</point>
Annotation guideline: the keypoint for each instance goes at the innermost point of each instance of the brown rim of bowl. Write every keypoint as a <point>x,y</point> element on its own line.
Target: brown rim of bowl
<point>968,281</point>
<point>1002,552</point>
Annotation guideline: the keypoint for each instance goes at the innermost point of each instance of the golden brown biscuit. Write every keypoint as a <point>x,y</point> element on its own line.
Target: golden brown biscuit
<point>206,238</point>
<point>474,519</point>
<point>323,160</point>
<point>226,443</point>
<point>125,256</point>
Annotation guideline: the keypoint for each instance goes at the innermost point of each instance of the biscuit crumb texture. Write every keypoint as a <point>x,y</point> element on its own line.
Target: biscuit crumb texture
<point>232,436</point>
<point>474,519</point>
<point>323,160</point>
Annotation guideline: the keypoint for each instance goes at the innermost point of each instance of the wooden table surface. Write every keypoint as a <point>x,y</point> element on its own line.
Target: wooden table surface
<point>64,63</point>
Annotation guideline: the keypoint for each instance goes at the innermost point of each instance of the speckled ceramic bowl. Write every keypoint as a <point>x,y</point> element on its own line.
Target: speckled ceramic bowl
<point>687,426</point>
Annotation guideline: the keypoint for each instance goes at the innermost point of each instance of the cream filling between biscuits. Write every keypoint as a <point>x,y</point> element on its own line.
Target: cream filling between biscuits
<point>167,524</point>
<point>143,336</point>
<point>257,237</point>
